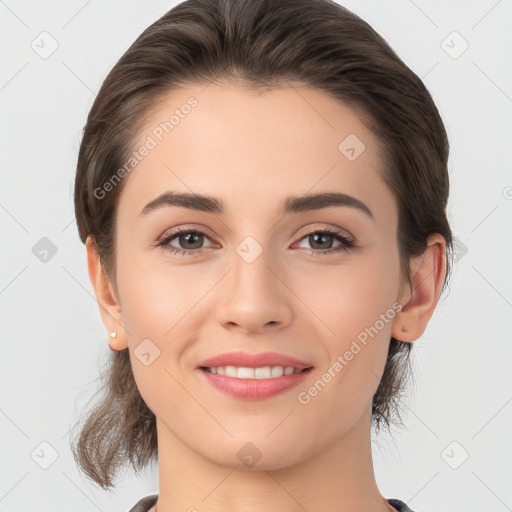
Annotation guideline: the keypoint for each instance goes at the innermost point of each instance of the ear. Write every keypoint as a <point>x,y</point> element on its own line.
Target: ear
<point>427,273</point>
<point>110,308</point>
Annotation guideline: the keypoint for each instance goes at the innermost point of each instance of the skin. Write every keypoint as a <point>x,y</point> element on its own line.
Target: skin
<point>252,150</point>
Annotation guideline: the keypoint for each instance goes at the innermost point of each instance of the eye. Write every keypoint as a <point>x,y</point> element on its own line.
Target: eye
<point>321,240</point>
<point>190,240</point>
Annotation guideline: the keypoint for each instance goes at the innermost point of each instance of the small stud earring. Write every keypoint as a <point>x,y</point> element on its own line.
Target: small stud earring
<point>113,334</point>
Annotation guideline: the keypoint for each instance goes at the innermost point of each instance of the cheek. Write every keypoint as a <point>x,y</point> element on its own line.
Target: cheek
<point>152,295</point>
<point>154,308</point>
<point>349,298</point>
<point>356,306</point>
<point>162,310</point>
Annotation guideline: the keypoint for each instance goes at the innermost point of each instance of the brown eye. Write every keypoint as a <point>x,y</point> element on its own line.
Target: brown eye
<point>321,240</point>
<point>190,240</point>
<point>185,241</point>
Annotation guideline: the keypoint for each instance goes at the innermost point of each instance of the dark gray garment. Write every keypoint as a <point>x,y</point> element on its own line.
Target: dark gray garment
<point>146,503</point>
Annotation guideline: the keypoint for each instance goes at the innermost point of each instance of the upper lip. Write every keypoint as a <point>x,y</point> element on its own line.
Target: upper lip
<point>246,360</point>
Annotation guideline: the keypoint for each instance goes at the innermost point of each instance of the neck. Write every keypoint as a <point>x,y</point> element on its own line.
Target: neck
<point>338,478</point>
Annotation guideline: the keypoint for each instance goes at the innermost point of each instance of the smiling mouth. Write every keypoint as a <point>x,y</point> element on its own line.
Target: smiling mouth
<point>264,372</point>
<point>247,383</point>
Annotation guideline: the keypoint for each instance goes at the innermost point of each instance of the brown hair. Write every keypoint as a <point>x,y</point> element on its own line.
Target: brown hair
<point>257,44</point>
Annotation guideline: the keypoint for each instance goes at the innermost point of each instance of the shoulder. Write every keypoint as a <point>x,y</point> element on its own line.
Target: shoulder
<point>399,505</point>
<point>144,504</point>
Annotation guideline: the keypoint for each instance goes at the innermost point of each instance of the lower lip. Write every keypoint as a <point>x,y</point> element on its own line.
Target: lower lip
<point>254,389</point>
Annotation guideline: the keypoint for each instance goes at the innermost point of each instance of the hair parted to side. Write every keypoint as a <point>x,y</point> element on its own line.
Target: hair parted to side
<point>255,44</point>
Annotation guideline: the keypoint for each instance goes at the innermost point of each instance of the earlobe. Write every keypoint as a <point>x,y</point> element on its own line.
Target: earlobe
<point>427,273</point>
<point>108,303</point>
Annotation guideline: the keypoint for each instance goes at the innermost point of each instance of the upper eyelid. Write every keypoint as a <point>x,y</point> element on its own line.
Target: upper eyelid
<point>171,233</point>
<point>304,232</point>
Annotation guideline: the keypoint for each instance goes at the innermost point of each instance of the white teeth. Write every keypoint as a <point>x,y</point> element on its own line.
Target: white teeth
<point>244,373</point>
<point>231,371</point>
<point>262,373</point>
<point>265,372</point>
<point>277,371</point>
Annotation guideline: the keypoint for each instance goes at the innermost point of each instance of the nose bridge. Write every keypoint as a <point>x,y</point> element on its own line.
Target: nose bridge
<point>252,275</point>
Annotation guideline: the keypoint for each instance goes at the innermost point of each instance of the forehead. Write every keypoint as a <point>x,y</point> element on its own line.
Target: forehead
<point>245,146</point>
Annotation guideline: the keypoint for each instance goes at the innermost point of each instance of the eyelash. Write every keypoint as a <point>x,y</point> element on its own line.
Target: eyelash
<point>347,243</point>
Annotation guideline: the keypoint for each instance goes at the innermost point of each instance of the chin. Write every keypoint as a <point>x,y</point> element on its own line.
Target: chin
<point>267,455</point>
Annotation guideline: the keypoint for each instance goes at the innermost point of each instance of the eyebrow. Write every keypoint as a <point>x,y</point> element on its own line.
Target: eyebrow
<point>211,204</point>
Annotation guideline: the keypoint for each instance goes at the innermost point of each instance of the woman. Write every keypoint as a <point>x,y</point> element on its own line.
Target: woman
<point>261,188</point>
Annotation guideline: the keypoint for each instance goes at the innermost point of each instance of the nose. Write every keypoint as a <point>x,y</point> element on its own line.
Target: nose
<point>254,297</point>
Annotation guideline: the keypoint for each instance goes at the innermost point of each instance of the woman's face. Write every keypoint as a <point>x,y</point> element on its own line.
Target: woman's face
<point>260,276</point>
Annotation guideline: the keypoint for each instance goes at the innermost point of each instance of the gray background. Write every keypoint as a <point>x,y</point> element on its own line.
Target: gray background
<point>453,455</point>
